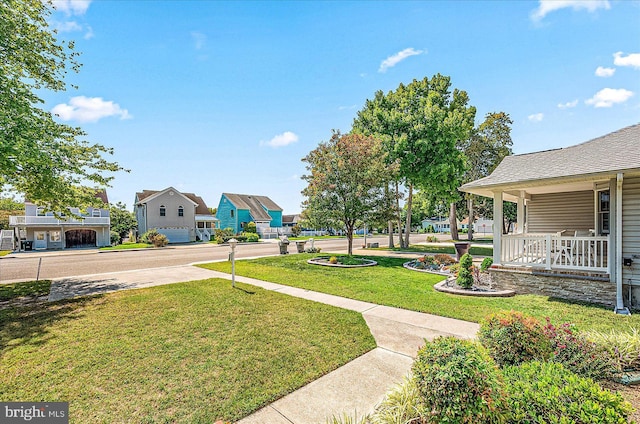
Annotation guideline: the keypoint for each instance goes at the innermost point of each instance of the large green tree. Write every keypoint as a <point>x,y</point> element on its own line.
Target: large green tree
<point>45,159</point>
<point>346,180</point>
<point>421,124</point>
<point>488,144</point>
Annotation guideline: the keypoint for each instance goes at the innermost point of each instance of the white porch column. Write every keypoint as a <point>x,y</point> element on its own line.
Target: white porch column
<point>498,221</point>
<point>520,219</point>
<point>617,257</point>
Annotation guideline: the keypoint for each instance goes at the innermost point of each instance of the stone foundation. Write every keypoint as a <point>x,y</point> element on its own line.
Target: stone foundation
<point>587,287</point>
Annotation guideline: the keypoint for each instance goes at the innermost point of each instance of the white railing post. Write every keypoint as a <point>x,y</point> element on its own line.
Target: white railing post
<point>548,252</point>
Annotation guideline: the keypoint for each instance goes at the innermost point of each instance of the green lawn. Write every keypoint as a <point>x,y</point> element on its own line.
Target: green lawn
<point>26,289</point>
<point>188,352</point>
<point>390,284</point>
<point>439,248</point>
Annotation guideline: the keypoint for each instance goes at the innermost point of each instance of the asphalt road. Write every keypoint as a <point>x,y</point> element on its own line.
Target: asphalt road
<point>24,266</point>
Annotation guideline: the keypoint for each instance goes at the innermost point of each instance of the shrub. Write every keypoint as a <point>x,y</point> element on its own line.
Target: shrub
<point>115,238</point>
<point>486,264</point>
<point>313,250</point>
<point>333,260</point>
<point>454,268</point>
<point>160,240</point>
<point>432,239</point>
<point>513,338</point>
<point>465,275</point>
<point>250,227</point>
<point>458,382</point>
<point>623,346</point>
<point>251,237</point>
<point>400,405</point>
<point>149,235</point>
<point>222,235</point>
<point>444,259</point>
<point>296,230</point>
<point>549,393</point>
<point>578,354</point>
<point>430,229</point>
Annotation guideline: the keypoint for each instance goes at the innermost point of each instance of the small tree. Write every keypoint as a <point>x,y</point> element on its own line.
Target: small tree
<point>250,227</point>
<point>122,221</point>
<point>296,230</point>
<point>346,181</point>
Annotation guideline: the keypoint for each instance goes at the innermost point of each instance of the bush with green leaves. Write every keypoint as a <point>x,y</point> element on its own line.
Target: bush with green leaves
<point>623,346</point>
<point>578,354</point>
<point>251,237</point>
<point>313,250</point>
<point>547,392</point>
<point>250,227</point>
<point>458,382</point>
<point>154,237</point>
<point>432,239</point>
<point>513,338</point>
<point>296,230</point>
<point>148,236</point>
<point>486,264</point>
<point>115,238</point>
<point>444,259</point>
<point>222,235</point>
<point>465,273</point>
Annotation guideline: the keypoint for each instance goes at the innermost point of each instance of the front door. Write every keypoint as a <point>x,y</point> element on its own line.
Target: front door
<point>39,240</point>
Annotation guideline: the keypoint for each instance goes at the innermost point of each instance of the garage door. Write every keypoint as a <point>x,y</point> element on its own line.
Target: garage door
<point>80,238</point>
<point>175,235</point>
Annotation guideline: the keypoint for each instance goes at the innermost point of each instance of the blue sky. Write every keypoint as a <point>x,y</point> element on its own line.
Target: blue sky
<point>212,97</point>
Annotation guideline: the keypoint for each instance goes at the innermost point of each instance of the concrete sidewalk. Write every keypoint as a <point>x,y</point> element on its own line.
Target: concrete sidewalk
<point>353,389</point>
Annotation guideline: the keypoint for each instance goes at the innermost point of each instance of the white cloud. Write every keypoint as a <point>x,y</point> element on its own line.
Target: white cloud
<point>536,117</point>
<point>607,97</point>
<point>568,105</point>
<point>89,109</point>
<point>605,72</point>
<point>393,60</point>
<point>547,6</point>
<point>72,7</point>
<point>199,39</point>
<point>632,59</point>
<point>281,140</point>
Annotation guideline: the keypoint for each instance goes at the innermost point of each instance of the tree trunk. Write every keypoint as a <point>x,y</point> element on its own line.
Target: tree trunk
<point>400,241</point>
<point>472,217</point>
<point>407,235</point>
<point>349,228</point>
<point>390,222</point>
<point>453,222</point>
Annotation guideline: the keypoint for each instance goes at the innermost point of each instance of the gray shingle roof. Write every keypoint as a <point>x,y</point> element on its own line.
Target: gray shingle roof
<point>615,152</point>
<point>201,208</point>
<point>254,204</point>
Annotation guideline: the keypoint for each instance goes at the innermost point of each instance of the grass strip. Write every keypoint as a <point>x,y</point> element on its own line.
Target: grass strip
<point>392,285</point>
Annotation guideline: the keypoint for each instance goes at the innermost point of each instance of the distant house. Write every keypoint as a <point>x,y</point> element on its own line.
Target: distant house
<point>290,221</point>
<point>439,225</point>
<point>181,217</point>
<point>236,210</point>
<point>578,220</point>
<point>483,226</point>
<point>38,229</point>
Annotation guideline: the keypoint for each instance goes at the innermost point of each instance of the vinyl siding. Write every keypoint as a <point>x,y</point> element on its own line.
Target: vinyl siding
<point>553,212</point>
<point>276,218</point>
<point>631,229</point>
<point>224,214</point>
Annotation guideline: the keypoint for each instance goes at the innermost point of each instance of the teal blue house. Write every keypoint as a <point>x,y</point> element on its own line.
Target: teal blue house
<point>236,210</point>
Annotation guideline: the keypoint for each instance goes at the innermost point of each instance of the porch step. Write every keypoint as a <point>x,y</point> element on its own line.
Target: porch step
<point>6,240</point>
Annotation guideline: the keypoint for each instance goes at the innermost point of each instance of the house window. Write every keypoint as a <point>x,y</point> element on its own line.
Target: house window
<point>54,236</point>
<point>180,211</point>
<point>95,213</point>
<point>40,211</point>
<point>604,203</point>
<point>231,211</point>
<point>163,211</point>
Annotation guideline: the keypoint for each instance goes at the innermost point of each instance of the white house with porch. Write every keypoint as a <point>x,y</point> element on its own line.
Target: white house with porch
<point>578,223</point>
<point>39,229</point>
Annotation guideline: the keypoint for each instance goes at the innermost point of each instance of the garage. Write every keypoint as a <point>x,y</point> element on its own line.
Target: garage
<point>80,238</point>
<point>175,234</point>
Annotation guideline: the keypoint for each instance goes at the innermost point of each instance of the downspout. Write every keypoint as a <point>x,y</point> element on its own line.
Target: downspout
<point>620,308</point>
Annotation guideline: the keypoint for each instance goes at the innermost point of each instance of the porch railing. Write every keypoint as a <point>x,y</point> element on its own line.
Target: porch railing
<point>205,233</point>
<point>52,220</point>
<point>551,251</point>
